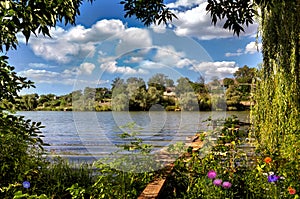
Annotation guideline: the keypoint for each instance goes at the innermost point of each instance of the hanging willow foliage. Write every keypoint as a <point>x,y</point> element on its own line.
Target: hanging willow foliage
<point>276,113</point>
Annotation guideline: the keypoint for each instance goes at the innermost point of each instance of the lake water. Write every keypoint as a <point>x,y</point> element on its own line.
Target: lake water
<point>92,135</point>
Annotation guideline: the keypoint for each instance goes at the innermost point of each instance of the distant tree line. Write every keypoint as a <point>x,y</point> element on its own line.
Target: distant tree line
<point>134,94</point>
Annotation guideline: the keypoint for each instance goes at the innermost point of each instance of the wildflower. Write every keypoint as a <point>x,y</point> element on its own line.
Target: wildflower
<point>268,160</point>
<point>217,182</point>
<point>271,173</point>
<point>226,185</point>
<point>26,184</point>
<point>273,178</point>
<point>211,174</point>
<point>292,191</point>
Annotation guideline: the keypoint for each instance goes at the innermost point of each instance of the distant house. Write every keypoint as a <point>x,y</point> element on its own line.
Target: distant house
<point>170,92</point>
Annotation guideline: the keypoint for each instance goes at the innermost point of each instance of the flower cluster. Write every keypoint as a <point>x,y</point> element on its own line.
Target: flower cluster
<point>272,178</point>
<point>218,182</point>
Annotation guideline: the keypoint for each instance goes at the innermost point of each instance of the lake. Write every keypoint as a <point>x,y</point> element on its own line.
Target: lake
<point>87,136</point>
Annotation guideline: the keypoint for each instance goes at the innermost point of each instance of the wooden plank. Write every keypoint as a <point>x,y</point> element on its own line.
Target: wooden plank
<point>154,189</point>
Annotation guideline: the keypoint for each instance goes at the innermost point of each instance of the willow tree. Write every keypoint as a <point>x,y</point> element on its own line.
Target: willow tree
<point>276,112</point>
<point>277,96</point>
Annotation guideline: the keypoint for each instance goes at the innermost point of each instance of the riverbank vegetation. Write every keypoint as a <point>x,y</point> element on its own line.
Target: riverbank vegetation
<point>136,95</point>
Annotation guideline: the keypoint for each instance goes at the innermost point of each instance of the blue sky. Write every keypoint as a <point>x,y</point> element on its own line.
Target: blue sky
<point>103,45</point>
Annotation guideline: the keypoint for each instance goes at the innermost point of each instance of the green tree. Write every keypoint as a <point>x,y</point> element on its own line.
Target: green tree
<point>183,86</point>
<point>245,76</point>
<point>19,138</point>
<point>118,86</point>
<point>233,96</point>
<point>148,11</point>
<point>120,102</point>
<point>76,95</point>
<point>158,81</point>
<point>136,89</point>
<point>199,87</point>
<point>46,100</point>
<point>227,82</point>
<point>102,94</point>
<point>32,17</point>
<point>29,102</point>
<point>188,101</point>
<point>169,82</point>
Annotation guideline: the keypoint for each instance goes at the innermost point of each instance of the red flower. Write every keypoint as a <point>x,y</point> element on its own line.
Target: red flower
<point>292,191</point>
<point>268,160</point>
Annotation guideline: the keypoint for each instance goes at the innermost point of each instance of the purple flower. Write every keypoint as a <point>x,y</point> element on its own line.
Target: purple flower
<point>26,184</point>
<point>273,178</point>
<point>226,185</point>
<point>211,174</point>
<point>217,182</point>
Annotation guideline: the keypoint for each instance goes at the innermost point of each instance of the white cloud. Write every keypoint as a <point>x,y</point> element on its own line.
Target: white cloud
<point>111,67</point>
<point>161,28</point>
<point>84,69</point>
<point>220,69</point>
<point>87,68</point>
<point>167,55</point>
<point>50,77</point>
<point>134,59</point>
<point>67,76</point>
<point>39,74</point>
<point>133,39</point>
<point>41,65</point>
<point>148,64</point>
<point>184,3</point>
<point>77,42</point>
<point>253,47</point>
<point>235,54</point>
<point>80,42</point>
<point>196,22</point>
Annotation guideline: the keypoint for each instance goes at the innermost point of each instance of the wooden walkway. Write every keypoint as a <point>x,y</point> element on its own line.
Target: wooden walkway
<point>155,188</point>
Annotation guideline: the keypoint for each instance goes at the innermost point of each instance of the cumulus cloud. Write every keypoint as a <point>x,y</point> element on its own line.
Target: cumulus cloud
<point>111,67</point>
<point>251,48</point>
<point>218,69</point>
<point>67,76</point>
<point>132,39</point>
<point>167,55</point>
<point>80,42</point>
<point>87,68</point>
<point>76,42</point>
<point>84,69</point>
<point>194,21</point>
